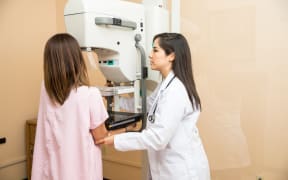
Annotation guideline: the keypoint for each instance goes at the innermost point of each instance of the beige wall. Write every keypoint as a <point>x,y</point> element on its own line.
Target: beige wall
<point>240,62</point>
<point>24,28</point>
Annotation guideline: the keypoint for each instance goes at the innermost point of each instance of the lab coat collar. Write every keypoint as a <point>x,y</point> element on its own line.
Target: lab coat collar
<point>166,80</point>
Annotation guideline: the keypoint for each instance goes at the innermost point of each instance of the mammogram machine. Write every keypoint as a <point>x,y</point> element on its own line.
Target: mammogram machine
<point>120,32</point>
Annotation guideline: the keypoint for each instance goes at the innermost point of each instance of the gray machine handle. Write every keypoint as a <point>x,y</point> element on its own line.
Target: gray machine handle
<point>144,75</point>
<point>115,22</point>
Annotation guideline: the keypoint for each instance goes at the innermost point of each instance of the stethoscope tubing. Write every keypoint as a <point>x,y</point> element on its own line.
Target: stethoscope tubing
<point>151,117</point>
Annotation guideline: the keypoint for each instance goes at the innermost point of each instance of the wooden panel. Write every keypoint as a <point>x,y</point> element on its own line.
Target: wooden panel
<point>30,130</point>
<point>118,171</point>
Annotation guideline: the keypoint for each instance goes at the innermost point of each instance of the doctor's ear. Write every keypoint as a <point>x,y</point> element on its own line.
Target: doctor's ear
<point>171,57</point>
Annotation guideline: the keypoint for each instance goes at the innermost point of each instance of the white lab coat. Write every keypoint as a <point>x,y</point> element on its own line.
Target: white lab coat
<point>175,150</point>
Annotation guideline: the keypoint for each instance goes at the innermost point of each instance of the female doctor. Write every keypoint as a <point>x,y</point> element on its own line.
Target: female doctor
<point>175,150</point>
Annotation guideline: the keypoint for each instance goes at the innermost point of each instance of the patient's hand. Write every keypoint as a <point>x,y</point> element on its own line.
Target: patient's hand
<point>133,127</point>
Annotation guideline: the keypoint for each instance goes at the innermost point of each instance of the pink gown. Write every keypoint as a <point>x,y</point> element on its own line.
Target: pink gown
<point>64,148</point>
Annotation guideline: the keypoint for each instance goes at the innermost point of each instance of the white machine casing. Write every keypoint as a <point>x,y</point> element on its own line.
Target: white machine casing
<point>157,21</point>
<point>119,60</point>
<point>114,44</point>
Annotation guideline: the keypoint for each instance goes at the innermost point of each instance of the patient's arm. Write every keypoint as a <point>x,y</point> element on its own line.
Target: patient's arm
<point>99,132</point>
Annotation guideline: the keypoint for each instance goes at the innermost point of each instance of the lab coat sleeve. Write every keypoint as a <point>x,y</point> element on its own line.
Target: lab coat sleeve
<point>170,113</point>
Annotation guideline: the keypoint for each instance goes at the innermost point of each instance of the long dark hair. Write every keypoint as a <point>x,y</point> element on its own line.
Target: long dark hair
<point>182,65</point>
<point>64,67</point>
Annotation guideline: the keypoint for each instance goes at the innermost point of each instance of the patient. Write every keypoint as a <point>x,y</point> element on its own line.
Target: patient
<point>69,111</point>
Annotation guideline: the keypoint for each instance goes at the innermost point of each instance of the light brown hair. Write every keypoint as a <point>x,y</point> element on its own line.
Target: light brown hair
<point>64,67</point>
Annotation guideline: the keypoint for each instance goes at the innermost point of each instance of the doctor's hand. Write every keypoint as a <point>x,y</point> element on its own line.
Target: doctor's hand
<point>108,140</point>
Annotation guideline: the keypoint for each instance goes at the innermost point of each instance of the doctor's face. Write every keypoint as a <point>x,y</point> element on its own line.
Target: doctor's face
<point>159,61</point>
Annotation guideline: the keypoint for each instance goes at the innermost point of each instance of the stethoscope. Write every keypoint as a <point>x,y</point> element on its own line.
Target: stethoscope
<point>151,117</point>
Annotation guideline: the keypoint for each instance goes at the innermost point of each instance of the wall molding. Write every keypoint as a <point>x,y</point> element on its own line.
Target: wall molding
<point>12,162</point>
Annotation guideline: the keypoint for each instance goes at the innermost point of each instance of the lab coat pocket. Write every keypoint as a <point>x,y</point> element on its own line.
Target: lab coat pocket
<point>173,171</point>
<point>172,165</point>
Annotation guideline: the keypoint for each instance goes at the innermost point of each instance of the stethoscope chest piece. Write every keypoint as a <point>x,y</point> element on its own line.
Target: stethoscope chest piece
<point>151,118</point>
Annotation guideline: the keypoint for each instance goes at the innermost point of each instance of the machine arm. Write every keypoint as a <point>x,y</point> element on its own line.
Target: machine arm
<point>144,75</point>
